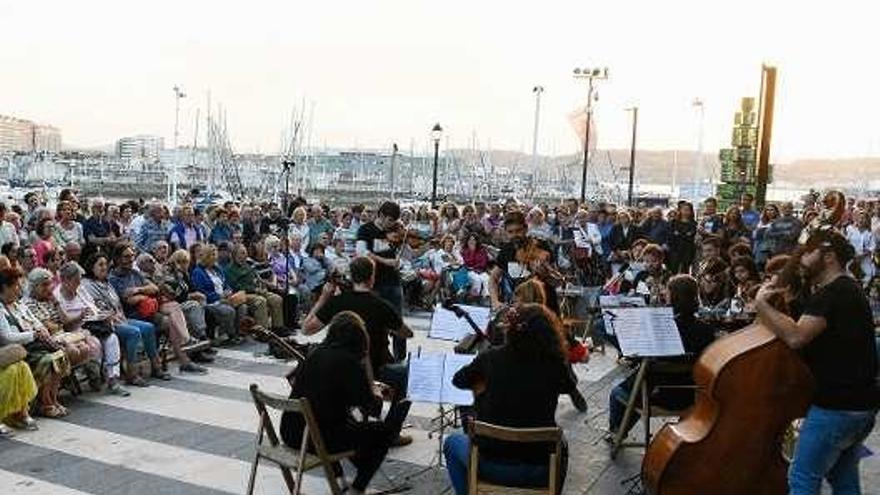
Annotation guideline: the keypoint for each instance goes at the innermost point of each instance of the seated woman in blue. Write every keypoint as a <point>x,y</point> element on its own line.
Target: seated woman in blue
<point>208,279</point>
<point>530,365</point>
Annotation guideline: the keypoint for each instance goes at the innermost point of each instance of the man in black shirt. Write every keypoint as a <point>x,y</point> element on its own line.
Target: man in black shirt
<point>508,273</point>
<point>372,242</point>
<point>380,319</point>
<point>835,336</point>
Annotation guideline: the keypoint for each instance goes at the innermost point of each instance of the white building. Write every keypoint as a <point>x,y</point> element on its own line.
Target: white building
<point>141,147</point>
<point>24,135</point>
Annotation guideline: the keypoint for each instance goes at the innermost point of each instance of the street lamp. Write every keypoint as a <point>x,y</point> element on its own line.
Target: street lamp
<point>436,134</point>
<point>590,74</point>
<point>632,155</point>
<point>172,190</point>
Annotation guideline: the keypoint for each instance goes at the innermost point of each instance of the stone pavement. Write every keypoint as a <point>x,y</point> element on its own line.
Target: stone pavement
<point>195,435</point>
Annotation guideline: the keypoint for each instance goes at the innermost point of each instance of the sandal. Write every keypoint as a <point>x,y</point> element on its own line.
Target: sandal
<point>23,423</point>
<point>6,432</point>
<point>137,381</point>
<point>52,412</point>
<point>160,375</point>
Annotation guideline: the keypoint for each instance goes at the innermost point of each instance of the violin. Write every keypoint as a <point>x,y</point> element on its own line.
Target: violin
<point>539,261</point>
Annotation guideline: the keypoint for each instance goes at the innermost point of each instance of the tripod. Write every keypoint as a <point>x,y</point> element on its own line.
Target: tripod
<point>447,417</point>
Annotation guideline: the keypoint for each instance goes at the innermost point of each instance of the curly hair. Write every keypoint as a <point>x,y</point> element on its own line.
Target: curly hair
<point>536,334</point>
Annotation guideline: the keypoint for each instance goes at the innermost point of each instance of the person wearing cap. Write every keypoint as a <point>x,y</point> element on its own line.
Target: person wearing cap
<point>835,337</point>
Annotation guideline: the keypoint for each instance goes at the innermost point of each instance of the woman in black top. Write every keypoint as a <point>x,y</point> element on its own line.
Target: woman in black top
<point>335,378</point>
<point>682,230</point>
<point>516,385</point>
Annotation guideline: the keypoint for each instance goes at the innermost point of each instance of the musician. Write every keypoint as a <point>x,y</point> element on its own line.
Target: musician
<point>511,268</point>
<point>835,336</point>
<point>336,378</point>
<point>535,292</point>
<point>380,318</point>
<point>714,280</point>
<point>695,337</point>
<point>372,241</point>
<point>651,281</point>
<point>519,386</point>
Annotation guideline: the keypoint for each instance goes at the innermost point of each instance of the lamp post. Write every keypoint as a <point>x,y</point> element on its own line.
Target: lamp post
<point>436,134</point>
<point>632,155</point>
<point>590,74</point>
<point>178,94</point>
<point>697,104</point>
<point>537,90</point>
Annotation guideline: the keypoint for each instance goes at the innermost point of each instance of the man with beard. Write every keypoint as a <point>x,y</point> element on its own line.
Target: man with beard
<point>508,272</point>
<point>835,336</point>
<point>372,242</point>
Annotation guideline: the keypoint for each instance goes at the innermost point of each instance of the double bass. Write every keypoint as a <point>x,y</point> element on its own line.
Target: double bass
<point>750,387</point>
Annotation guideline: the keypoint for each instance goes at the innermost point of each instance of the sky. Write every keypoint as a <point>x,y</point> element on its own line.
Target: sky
<point>373,73</point>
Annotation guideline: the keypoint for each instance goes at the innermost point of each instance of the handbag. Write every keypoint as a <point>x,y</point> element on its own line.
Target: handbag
<point>99,328</point>
<point>147,308</point>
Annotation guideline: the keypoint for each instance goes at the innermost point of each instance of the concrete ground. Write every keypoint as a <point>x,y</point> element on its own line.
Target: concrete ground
<point>195,435</point>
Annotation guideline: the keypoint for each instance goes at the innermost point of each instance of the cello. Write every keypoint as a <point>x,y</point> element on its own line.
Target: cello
<point>750,387</point>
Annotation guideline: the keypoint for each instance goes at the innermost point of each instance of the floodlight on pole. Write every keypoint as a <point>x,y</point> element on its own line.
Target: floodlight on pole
<point>590,74</point>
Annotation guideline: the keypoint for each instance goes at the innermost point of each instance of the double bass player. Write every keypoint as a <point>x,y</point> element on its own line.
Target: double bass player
<point>835,337</point>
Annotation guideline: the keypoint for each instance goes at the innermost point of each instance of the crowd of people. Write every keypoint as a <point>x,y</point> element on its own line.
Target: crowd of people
<point>101,287</point>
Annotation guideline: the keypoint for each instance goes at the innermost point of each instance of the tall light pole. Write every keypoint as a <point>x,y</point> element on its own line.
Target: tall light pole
<point>590,74</point>
<point>436,134</point>
<point>632,155</point>
<point>537,90</point>
<point>698,163</point>
<point>178,94</point>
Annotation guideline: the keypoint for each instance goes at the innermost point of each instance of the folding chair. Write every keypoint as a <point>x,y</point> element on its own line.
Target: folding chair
<point>287,458</point>
<point>520,435</point>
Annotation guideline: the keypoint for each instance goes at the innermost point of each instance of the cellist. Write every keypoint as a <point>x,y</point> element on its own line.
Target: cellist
<point>835,336</point>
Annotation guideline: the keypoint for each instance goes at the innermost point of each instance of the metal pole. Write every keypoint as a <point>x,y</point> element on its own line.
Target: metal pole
<point>434,183</point>
<point>632,156</point>
<point>587,141</point>
<point>537,90</point>
<point>393,160</point>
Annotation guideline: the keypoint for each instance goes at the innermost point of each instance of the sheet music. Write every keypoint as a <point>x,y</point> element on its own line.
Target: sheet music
<point>446,326</point>
<point>450,394</point>
<point>425,378</point>
<point>621,301</point>
<point>430,379</point>
<point>645,332</point>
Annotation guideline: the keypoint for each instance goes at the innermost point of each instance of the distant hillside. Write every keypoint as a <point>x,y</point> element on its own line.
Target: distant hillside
<point>656,166</point>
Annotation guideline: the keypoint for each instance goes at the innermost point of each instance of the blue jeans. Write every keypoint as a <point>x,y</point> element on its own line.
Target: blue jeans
<point>393,295</point>
<point>617,401</point>
<point>456,451</point>
<point>133,331</point>
<point>830,446</point>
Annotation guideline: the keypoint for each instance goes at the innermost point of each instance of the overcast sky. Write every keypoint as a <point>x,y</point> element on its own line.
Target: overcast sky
<point>377,72</point>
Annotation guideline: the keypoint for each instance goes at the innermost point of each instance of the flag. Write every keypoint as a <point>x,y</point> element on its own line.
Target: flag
<point>578,120</point>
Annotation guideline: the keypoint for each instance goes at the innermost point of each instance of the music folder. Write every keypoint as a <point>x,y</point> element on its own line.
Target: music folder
<point>644,332</point>
<point>430,379</point>
<point>445,325</point>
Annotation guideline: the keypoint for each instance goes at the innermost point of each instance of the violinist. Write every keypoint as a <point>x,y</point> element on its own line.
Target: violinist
<point>650,282</point>
<point>695,337</point>
<point>835,336</point>
<point>530,365</point>
<point>517,259</point>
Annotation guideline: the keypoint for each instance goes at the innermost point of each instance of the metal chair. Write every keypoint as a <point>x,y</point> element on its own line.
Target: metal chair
<point>287,458</point>
<point>520,435</point>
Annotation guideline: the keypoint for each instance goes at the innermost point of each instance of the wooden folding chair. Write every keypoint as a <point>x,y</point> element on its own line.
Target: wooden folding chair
<point>287,458</point>
<point>520,435</point>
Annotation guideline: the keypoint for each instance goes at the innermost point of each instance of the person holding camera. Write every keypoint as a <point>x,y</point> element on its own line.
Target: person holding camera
<point>380,318</point>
